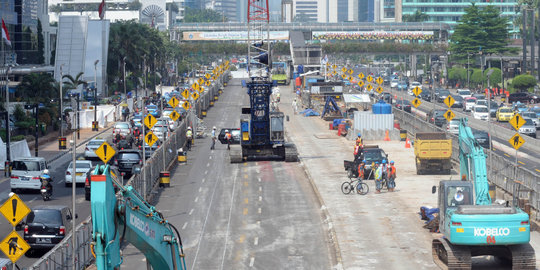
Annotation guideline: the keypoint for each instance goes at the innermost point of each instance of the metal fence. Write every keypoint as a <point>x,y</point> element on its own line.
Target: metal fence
<point>59,258</point>
<point>501,172</point>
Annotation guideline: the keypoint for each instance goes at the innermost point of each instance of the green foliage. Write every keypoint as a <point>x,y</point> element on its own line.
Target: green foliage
<point>19,113</point>
<point>17,138</point>
<point>355,47</point>
<point>418,16</point>
<point>172,6</point>
<point>457,75</point>
<point>37,87</point>
<point>476,77</point>
<point>135,5</point>
<point>25,124</point>
<point>495,77</point>
<point>203,15</point>
<point>480,29</point>
<point>72,82</point>
<point>523,82</point>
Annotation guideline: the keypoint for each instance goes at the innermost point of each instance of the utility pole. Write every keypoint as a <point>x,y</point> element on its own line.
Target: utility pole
<point>73,199</point>
<point>35,107</point>
<point>61,113</point>
<point>524,37</point>
<point>124,65</point>
<point>95,124</point>
<point>7,164</point>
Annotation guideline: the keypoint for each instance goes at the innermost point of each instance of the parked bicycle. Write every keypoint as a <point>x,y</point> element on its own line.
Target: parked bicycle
<point>355,184</point>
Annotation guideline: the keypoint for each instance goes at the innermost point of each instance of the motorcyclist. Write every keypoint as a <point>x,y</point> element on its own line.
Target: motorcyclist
<point>46,180</point>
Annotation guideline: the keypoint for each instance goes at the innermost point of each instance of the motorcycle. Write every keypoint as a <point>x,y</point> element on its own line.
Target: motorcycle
<point>46,188</point>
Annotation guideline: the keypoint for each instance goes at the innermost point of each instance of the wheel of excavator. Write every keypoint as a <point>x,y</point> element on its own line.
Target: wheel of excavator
<point>235,154</point>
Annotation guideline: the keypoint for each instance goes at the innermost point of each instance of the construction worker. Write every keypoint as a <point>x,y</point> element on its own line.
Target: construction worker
<point>378,177</point>
<point>361,170</point>
<point>189,138</point>
<point>228,138</point>
<point>358,152</point>
<point>384,169</point>
<point>359,140</point>
<point>214,138</point>
<point>391,177</point>
<point>294,106</point>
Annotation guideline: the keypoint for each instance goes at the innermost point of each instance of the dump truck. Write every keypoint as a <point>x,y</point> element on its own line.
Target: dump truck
<point>433,152</point>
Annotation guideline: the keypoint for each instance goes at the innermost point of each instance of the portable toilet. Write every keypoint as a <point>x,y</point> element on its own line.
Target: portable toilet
<point>381,107</point>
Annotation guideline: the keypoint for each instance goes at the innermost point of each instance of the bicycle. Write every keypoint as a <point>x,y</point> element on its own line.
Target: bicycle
<point>361,187</point>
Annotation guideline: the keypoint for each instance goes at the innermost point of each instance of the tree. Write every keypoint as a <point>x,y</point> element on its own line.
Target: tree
<point>37,87</point>
<point>478,30</point>
<point>40,44</point>
<point>203,15</point>
<point>73,83</point>
<point>418,16</point>
<point>523,82</point>
<point>495,77</point>
<point>135,5</point>
<point>457,75</point>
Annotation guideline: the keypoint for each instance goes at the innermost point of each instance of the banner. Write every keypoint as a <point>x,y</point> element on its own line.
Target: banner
<point>232,35</point>
<point>372,35</point>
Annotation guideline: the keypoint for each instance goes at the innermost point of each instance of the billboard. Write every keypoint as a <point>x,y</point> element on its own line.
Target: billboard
<point>372,35</point>
<point>231,35</point>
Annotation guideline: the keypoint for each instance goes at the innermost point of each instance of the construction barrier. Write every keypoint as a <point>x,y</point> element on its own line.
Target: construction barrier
<point>164,179</point>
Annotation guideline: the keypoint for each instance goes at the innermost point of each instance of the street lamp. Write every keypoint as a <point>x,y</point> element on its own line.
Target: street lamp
<point>124,63</point>
<point>488,74</point>
<point>95,123</point>
<point>34,107</point>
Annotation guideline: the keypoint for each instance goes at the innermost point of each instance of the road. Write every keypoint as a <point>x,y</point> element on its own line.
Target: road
<point>235,216</point>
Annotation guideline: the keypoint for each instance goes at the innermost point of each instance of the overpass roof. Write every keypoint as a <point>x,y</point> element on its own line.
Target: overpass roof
<point>313,26</point>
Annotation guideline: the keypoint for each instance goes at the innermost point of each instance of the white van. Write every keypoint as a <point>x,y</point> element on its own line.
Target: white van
<point>26,172</point>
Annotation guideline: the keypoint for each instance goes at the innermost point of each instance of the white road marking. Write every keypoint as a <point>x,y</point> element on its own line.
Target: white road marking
<point>32,200</point>
<point>229,221</point>
<point>196,198</point>
<point>210,157</point>
<point>191,211</point>
<point>256,241</point>
<point>204,179</point>
<point>205,172</point>
<point>185,225</point>
<point>251,262</point>
<point>260,210</point>
<point>260,198</point>
<point>260,189</point>
<point>259,179</point>
<point>200,189</point>
<point>207,164</point>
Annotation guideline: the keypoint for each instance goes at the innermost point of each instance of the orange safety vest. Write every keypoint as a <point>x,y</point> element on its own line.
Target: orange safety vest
<point>228,136</point>
<point>360,171</point>
<point>356,149</point>
<point>392,171</point>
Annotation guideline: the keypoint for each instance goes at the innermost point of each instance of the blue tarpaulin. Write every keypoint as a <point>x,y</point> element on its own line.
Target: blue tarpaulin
<point>309,112</point>
<point>427,212</point>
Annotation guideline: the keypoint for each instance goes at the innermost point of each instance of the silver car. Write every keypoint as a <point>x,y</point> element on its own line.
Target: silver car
<point>533,117</point>
<point>528,128</point>
<point>453,126</point>
<point>91,146</point>
<point>160,132</point>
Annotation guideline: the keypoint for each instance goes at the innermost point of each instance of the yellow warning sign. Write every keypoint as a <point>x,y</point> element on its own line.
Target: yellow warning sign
<point>379,89</point>
<point>105,152</point>
<point>516,141</point>
<point>14,209</point>
<point>195,95</point>
<point>201,90</point>
<point>207,83</point>
<point>449,115</point>
<point>186,105</point>
<point>416,102</point>
<point>14,246</point>
<point>369,87</point>
<point>343,76</point>
<point>185,93</point>
<point>361,75</point>
<point>517,121</point>
<point>200,81</point>
<point>150,138</point>
<point>349,78</point>
<point>417,91</point>
<point>150,121</point>
<point>350,71</point>
<point>174,115</point>
<point>369,78</point>
<point>343,69</point>
<point>334,66</point>
<point>361,83</point>
<point>379,80</point>
<point>173,102</point>
<point>449,101</point>
<point>207,76</point>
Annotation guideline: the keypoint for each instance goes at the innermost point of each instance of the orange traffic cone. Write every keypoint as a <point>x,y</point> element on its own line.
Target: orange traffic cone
<point>407,143</point>
<point>386,137</point>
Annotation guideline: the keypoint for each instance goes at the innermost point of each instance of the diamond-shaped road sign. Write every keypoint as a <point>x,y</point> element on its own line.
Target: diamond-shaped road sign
<point>14,209</point>
<point>361,75</point>
<point>361,83</point>
<point>343,69</point>
<point>14,246</point>
<point>379,80</point>
<point>150,138</point>
<point>416,102</point>
<point>516,141</point>
<point>173,102</point>
<point>150,121</point>
<point>449,101</point>
<point>200,81</point>
<point>195,95</point>
<point>369,87</point>
<point>369,78</point>
<point>105,152</point>
<point>194,86</point>
<point>517,121</point>
<point>449,115</point>
<point>379,89</point>
<point>417,91</point>
<point>207,76</point>
<point>174,115</point>
<point>185,105</point>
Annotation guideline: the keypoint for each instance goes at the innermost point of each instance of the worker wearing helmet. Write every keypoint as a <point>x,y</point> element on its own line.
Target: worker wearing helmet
<point>391,177</point>
<point>228,138</point>
<point>46,181</point>
<point>378,177</point>
<point>189,138</point>
<point>384,169</point>
<point>214,138</point>
<point>359,140</point>
<point>361,168</point>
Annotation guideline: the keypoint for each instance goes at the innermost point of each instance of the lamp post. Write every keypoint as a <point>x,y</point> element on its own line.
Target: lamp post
<point>35,107</point>
<point>7,165</point>
<point>468,73</point>
<point>124,65</point>
<point>488,74</point>
<point>95,123</point>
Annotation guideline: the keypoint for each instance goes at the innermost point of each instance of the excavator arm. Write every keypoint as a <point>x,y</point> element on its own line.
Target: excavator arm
<point>126,216</point>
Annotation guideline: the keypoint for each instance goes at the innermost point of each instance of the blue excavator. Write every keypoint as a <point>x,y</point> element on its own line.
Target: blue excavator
<point>125,216</point>
<point>470,224</point>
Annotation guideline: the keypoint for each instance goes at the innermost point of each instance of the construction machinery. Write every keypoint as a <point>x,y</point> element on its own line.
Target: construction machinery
<point>127,216</point>
<point>432,151</point>
<point>471,225</point>
<point>262,131</point>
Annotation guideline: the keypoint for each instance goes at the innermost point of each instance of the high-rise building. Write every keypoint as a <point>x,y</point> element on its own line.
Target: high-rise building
<point>366,11</point>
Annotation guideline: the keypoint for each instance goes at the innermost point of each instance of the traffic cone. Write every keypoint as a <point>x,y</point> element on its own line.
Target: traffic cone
<point>407,143</point>
<point>386,137</point>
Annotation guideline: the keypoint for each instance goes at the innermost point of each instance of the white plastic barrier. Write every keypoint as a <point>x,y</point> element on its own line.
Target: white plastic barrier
<point>105,115</point>
<point>18,150</point>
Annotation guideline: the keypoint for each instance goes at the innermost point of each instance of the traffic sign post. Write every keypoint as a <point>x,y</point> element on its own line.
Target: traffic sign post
<point>174,115</point>
<point>416,102</point>
<point>449,115</point>
<point>517,121</point>
<point>173,102</point>
<point>369,87</point>
<point>369,78</point>
<point>185,105</point>
<point>361,75</point>
<point>417,91</point>
<point>379,89</point>
<point>195,96</point>
<point>516,141</point>
<point>105,152</point>
<point>14,210</point>
<point>14,246</point>
<point>150,138</point>
<point>361,83</point>
<point>379,80</point>
<point>449,101</point>
<point>150,121</point>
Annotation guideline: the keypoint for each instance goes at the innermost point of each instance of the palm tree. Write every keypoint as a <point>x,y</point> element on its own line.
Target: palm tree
<point>37,87</point>
<point>73,83</point>
<point>418,16</point>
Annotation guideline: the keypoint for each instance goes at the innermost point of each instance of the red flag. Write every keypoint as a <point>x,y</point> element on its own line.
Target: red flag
<point>101,10</point>
<point>5,34</point>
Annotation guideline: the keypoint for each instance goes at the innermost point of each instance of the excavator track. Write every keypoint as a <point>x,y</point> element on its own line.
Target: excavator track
<point>235,154</point>
<point>451,257</point>
<point>291,154</point>
<point>523,256</point>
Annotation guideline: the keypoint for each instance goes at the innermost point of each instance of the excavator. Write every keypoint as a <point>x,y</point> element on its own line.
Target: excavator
<point>470,224</point>
<point>125,215</point>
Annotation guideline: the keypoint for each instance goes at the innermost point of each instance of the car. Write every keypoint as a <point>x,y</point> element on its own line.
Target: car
<point>534,118</point>
<point>469,103</point>
<point>536,110</point>
<point>478,96</point>
<point>87,188</point>
<point>5,264</point>
<point>149,150</point>
<point>166,113</point>
<point>372,155</point>
<point>387,97</point>
<point>524,97</point>
<point>464,93</point>
<point>482,137</point>
<point>480,112</point>
<point>425,95</point>
<point>504,114</point>
<point>137,120</point>
<point>403,104</point>
<point>458,101</point>
<point>25,173</point>
<point>91,146</point>
<point>83,167</point>
<point>124,129</point>
<point>394,83</point>
<point>442,95</point>
<point>126,159</point>
<point>153,110</point>
<point>436,117</point>
<point>402,86</point>
<point>482,102</point>
<point>453,126</point>
<point>415,84</point>
<point>493,107</point>
<point>528,128</point>
<point>47,225</point>
<point>162,122</point>
<point>161,132</point>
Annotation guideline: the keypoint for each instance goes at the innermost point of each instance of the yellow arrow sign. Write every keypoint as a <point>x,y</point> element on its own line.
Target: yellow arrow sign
<point>150,121</point>
<point>379,80</point>
<point>174,115</point>
<point>417,91</point>
<point>185,93</point>
<point>361,75</point>
<point>449,101</point>
<point>105,152</point>
<point>369,87</point>
<point>14,209</point>
<point>195,95</point>
<point>379,89</point>
<point>186,105</point>
<point>173,102</point>
<point>517,121</point>
<point>516,141</point>
<point>14,246</point>
<point>449,115</point>
<point>150,138</point>
<point>369,78</point>
<point>416,102</point>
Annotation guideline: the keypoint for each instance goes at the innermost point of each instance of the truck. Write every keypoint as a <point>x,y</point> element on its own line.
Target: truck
<point>433,152</point>
<point>371,154</point>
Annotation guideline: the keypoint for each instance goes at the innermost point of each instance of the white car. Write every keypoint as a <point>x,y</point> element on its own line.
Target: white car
<point>83,167</point>
<point>412,86</point>
<point>480,112</point>
<point>394,83</point>
<point>469,104</point>
<point>464,93</point>
<point>533,117</point>
<point>26,172</point>
<point>91,146</point>
<point>481,102</point>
